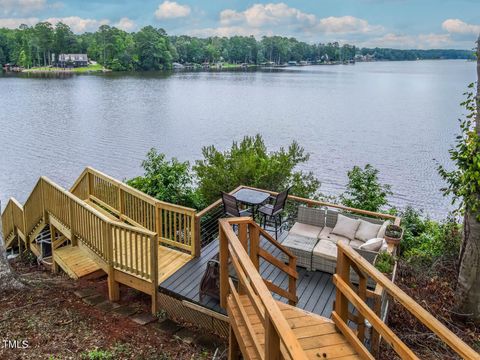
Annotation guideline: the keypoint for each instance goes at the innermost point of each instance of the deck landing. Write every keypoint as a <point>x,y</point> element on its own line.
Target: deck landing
<point>75,261</point>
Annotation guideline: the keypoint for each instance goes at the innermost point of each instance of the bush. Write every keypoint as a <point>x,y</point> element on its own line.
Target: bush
<point>385,262</point>
<point>364,190</point>
<point>249,163</point>
<point>170,181</point>
<point>426,240</point>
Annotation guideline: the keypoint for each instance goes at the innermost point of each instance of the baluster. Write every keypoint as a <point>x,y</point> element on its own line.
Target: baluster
<point>272,340</point>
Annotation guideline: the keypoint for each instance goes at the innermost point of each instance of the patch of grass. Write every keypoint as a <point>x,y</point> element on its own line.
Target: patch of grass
<point>79,70</point>
<point>97,354</point>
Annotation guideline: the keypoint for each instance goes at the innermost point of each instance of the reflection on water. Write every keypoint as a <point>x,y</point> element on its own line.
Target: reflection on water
<point>398,116</point>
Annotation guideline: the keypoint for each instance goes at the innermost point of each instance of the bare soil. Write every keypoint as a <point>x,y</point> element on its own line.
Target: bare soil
<point>47,321</point>
<point>434,289</point>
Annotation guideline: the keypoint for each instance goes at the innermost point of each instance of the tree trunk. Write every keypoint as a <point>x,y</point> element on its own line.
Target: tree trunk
<point>8,279</point>
<point>468,287</point>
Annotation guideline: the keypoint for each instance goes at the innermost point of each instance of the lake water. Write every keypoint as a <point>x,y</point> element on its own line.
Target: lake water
<point>398,116</point>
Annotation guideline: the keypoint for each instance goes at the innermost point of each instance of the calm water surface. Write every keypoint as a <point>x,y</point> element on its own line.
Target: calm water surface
<point>398,116</point>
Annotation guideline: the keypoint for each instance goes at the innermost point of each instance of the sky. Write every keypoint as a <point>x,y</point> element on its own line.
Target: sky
<point>404,24</point>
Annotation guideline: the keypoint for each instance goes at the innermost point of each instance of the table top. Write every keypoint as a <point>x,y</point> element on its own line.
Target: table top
<point>251,197</point>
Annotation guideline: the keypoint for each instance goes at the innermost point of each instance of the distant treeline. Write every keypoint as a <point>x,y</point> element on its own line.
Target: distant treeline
<point>152,49</point>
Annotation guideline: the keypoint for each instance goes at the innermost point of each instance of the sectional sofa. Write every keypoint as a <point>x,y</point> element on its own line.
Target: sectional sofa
<point>314,237</point>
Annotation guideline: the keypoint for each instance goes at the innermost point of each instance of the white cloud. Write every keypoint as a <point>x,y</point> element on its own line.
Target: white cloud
<point>457,26</point>
<point>13,23</point>
<point>24,6</point>
<point>171,9</point>
<point>78,24</point>
<point>263,19</point>
<point>421,41</point>
<point>125,24</point>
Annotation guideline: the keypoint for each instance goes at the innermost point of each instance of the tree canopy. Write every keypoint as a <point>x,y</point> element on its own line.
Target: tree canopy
<point>152,49</point>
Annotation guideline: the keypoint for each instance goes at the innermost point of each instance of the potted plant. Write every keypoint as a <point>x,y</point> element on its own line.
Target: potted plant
<point>385,263</point>
<point>393,234</point>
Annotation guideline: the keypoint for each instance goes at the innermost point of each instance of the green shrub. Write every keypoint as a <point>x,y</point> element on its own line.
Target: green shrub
<point>364,190</point>
<point>426,240</point>
<point>249,163</point>
<point>170,181</point>
<point>385,262</point>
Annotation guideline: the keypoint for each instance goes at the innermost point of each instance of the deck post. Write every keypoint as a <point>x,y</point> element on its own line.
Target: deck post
<point>343,271</point>
<point>197,236</point>
<point>272,340</point>
<point>154,269</point>
<point>292,282</point>
<point>113,286</point>
<point>254,244</point>
<point>233,348</point>
<point>53,237</point>
<point>72,223</point>
<point>223,250</point>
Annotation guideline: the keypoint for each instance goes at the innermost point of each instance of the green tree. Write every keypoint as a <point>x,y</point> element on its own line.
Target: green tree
<point>364,190</point>
<point>464,186</point>
<point>249,163</point>
<point>153,49</point>
<point>169,181</point>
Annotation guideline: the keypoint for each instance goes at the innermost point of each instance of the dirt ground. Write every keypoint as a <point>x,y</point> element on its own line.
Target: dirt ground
<point>47,321</point>
<point>434,289</point>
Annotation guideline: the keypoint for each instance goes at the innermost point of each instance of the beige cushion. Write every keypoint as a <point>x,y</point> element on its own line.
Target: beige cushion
<point>356,243</point>
<point>305,230</point>
<point>373,244</point>
<point>346,226</point>
<point>383,228</point>
<point>367,230</point>
<point>326,249</point>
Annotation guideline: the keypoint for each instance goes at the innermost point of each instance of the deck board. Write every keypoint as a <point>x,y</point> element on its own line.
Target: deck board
<point>315,289</point>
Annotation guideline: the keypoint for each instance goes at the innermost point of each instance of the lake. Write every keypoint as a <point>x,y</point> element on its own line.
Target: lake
<point>397,116</point>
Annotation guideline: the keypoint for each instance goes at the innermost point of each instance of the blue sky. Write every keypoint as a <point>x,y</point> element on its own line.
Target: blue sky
<point>385,23</point>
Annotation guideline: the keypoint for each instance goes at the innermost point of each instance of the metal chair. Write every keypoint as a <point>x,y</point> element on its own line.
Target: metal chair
<point>230,206</point>
<point>274,211</point>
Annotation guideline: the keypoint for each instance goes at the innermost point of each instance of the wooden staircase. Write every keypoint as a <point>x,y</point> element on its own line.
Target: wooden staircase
<point>264,328</point>
<point>317,336</point>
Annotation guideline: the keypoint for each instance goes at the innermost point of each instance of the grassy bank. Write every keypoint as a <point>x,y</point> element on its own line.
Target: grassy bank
<point>79,70</point>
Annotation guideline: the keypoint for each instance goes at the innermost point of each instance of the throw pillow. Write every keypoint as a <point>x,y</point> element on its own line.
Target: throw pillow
<point>346,226</point>
<point>367,230</point>
<point>373,244</point>
<point>383,228</point>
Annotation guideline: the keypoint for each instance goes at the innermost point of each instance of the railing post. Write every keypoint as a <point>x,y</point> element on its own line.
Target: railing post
<point>158,221</point>
<point>196,235</point>
<point>154,271</point>
<point>254,244</point>
<point>53,236</point>
<point>113,286</point>
<point>272,340</point>
<point>343,271</point>
<point>121,205</point>
<point>242,236</point>
<point>223,249</point>
<point>292,281</point>
<point>72,223</point>
<point>89,185</point>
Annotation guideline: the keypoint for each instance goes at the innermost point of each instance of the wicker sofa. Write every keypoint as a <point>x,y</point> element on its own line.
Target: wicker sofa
<point>311,239</point>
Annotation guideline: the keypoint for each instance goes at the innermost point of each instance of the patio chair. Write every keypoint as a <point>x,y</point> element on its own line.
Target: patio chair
<point>274,212</point>
<point>230,206</point>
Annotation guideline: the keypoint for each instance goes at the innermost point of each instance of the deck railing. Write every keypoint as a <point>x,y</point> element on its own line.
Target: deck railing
<point>280,339</point>
<point>174,224</point>
<point>13,221</point>
<point>356,296</point>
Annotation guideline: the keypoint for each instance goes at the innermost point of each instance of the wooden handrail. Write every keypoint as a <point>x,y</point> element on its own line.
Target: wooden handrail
<point>274,319</point>
<point>348,256</point>
<point>174,224</point>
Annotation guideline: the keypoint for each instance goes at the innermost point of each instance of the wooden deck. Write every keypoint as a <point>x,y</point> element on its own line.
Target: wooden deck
<point>316,335</point>
<point>315,289</point>
<point>77,262</point>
